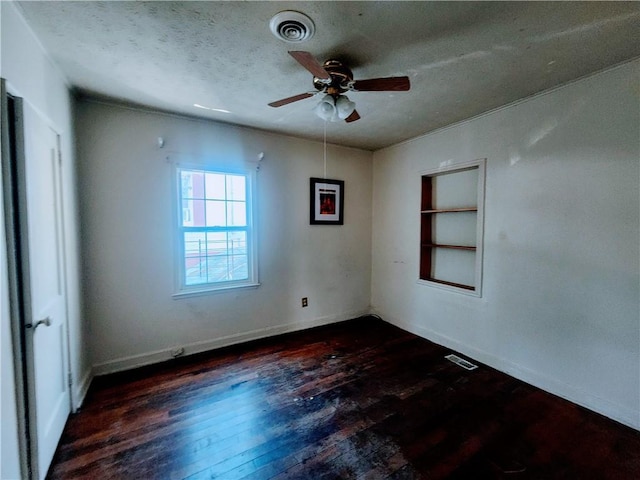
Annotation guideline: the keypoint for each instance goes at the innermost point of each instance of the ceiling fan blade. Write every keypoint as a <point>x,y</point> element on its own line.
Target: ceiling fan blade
<point>309,62</point>
<point>353,117</point>
<point>388,84</point>
<point>287,101</point>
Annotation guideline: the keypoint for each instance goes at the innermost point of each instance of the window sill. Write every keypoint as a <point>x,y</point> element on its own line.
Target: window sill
<point>213,291</point>
<point>450,287</point>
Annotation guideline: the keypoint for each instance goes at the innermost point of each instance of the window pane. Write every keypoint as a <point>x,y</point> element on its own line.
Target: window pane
<point>226,257</point>
<point>217,268</point>
<point>214,183</point>
<point>192,213</point>
<point>194,243</point>
<point>215,257</point>
<point>237,243</point>
<point>238,267</point>
<point>238,258</point>
<point>216,243</point>
<point>236,214</point>
<point>225,268</point>
<point>187,212</point>
<point>196,271</point>
<point>236,187</point>
<point>215,213</point>
<point>192,184</point>
<point>194,266</point>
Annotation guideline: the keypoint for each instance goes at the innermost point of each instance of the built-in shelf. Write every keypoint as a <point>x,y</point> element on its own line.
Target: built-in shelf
<point>451,210</point>
<point>451,284</point>
<point>451,250</point>
<point>456,247</point>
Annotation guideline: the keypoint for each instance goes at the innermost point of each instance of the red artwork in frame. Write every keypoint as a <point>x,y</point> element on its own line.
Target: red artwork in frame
<point>326,202</point>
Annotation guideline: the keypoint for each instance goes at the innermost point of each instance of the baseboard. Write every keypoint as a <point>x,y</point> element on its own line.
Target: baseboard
<point>134,361</point>
<point>81,389</point>
<point>619,413</point>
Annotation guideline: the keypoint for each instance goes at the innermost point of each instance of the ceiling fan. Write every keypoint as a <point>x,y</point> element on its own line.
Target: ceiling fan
<point>334,79</point>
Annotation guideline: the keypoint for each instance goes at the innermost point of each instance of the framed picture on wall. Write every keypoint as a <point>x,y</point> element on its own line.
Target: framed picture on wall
<point>326,202</point>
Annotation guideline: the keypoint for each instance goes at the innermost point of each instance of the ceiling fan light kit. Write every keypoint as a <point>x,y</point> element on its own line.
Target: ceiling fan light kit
<point>334,79</point>
<point>344,107</point>
<point>325,108</point>
<point>334,108</point>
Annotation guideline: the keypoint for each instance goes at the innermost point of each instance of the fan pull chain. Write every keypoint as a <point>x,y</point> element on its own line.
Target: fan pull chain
<point>325,149</point>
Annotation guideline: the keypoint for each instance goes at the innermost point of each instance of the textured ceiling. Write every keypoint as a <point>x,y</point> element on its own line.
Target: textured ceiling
<point>463,58</point>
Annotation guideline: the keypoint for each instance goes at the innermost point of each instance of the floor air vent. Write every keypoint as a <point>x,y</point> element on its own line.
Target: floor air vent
<point>461,362</point>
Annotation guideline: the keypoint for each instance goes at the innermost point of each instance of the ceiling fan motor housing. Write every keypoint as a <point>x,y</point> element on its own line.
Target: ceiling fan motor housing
<point>341,76</point>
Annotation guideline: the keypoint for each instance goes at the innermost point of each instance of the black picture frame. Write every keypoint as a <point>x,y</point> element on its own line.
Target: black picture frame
<point>326,201</point>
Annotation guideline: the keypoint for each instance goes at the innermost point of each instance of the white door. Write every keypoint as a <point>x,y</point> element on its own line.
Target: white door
<point>46,335</point>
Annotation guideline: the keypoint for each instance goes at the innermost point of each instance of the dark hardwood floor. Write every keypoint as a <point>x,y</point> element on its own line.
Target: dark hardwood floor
<point>361,399</point>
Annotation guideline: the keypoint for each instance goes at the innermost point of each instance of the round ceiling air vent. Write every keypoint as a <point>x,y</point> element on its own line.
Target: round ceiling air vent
<point>292,27</point>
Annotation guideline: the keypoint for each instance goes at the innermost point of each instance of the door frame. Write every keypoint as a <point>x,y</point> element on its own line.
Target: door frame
<point>14,187</point>
<point>12,150</point>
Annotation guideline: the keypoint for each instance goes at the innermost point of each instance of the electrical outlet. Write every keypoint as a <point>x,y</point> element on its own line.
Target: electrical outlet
<point>305,302</point>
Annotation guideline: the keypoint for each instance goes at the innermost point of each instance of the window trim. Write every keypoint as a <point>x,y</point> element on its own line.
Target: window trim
<point>181,290</point>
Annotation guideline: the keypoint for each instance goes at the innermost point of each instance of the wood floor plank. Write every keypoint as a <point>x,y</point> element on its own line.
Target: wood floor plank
<point>356,400</point>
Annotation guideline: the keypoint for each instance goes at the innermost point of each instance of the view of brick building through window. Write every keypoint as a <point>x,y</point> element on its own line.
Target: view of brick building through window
<point>214,227</point>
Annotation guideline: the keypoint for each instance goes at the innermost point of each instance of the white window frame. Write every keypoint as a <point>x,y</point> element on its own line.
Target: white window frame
<point>183,290</point>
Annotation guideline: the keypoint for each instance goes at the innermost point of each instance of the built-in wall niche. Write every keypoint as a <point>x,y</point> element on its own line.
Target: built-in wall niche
<point>451,219</point>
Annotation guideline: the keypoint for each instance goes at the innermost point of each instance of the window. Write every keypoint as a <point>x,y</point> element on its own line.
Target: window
<point>451,227</point>
<point>215,230</point>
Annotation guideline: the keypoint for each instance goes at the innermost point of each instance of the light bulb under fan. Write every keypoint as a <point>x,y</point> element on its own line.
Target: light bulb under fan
<point>334,108</point>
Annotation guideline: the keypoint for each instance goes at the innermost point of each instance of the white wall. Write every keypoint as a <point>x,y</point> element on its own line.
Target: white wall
<point>31,75</point>
<point>560,305</point>
<point>128,244</point>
